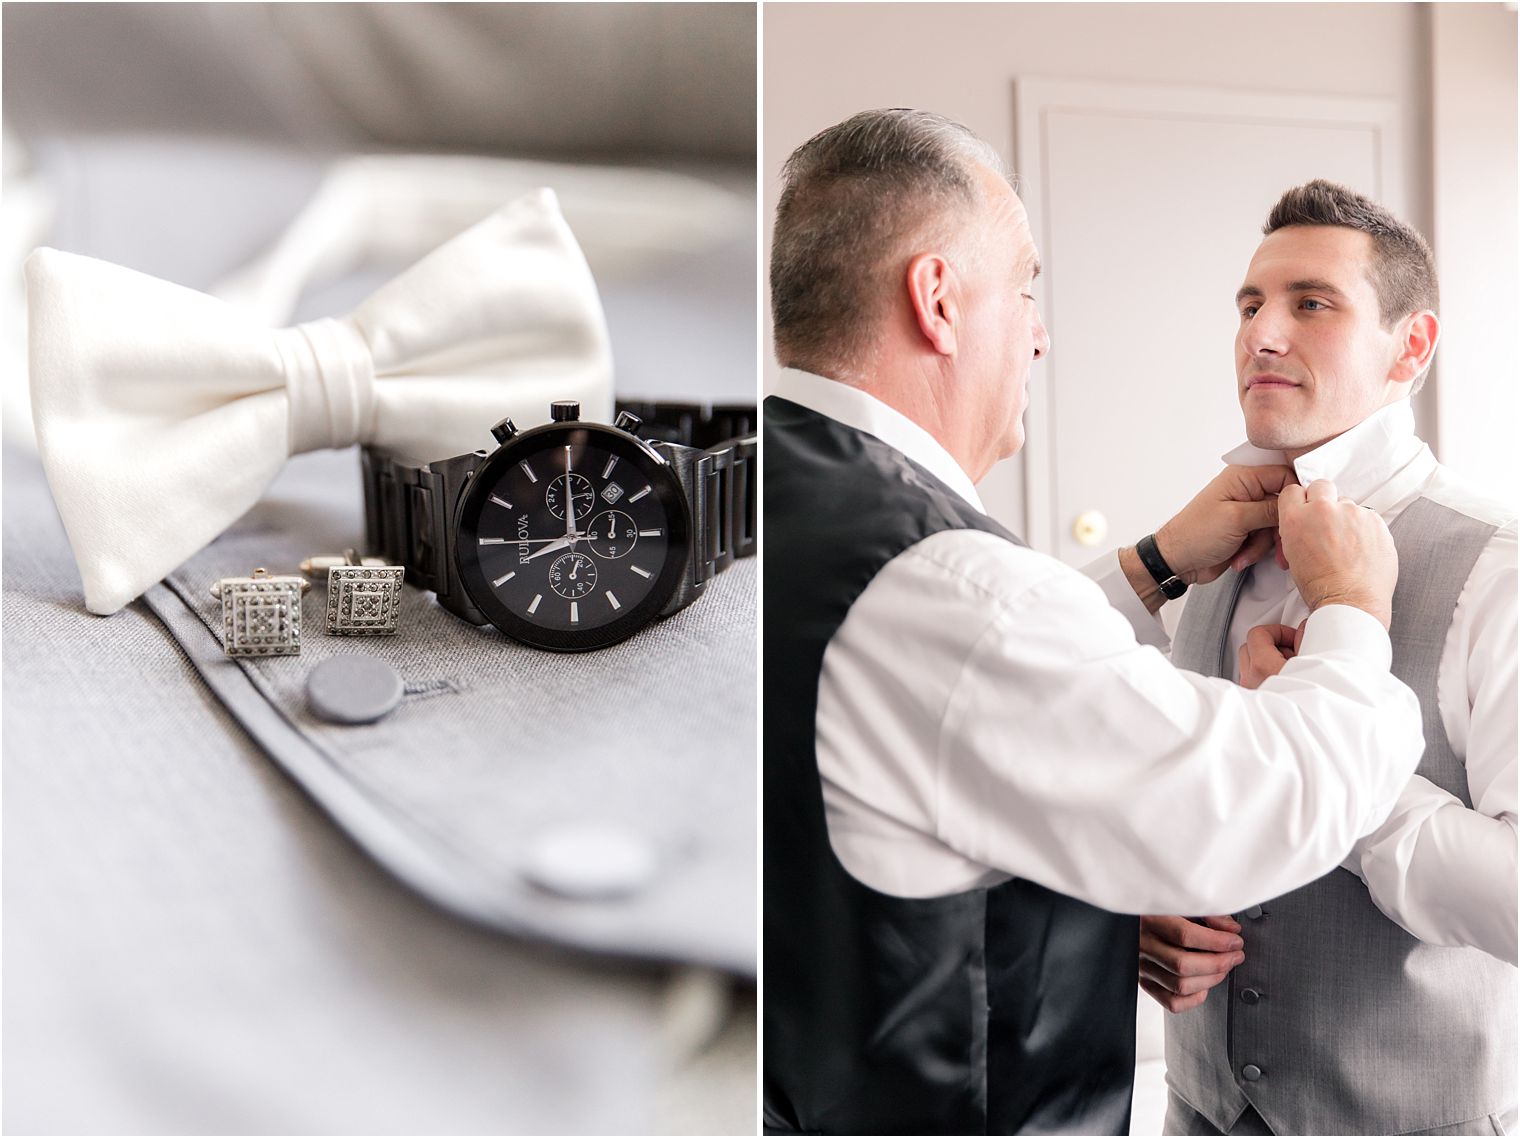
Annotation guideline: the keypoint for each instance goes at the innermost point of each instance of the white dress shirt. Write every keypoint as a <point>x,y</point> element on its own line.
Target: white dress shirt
<point>984,712</point>
<point>1443,872</point>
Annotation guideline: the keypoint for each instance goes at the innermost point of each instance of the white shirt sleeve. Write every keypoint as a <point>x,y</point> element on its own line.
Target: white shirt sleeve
<point>1147,626</point>
<point>1061,750</point>
<point>1442,872</point>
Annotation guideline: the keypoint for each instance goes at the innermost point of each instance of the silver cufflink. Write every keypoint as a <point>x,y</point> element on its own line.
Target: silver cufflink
<point>261,614</point>
<point>363,594</point>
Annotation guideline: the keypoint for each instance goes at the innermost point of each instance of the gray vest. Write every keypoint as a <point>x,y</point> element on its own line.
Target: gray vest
<point>1339,1021</point>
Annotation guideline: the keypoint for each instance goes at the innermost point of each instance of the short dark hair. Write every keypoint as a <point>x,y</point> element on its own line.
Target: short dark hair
<point>849,197</point>
<point>1403,270</point>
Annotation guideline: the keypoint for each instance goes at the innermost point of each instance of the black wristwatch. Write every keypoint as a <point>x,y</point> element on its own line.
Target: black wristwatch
<point>1171,585</point>
<point>574,535</point>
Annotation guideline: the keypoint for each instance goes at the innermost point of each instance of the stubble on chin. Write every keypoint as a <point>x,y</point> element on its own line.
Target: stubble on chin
<point>1272,434</point>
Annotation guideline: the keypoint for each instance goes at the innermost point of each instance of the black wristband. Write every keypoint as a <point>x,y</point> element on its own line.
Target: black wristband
<point>1171,585</point>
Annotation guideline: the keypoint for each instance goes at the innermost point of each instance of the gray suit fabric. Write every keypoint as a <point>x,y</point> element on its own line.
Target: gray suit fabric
<point>1360,1028</point>
<point>191,948</point>
<point>1183,1119</point>
<point>496,745</point>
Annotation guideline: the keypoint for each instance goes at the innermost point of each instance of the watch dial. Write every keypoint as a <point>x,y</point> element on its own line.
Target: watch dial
<point>572,536</point>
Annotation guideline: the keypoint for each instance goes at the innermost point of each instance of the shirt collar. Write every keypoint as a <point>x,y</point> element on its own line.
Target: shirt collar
<point>1376,463</point>
<point>856,408</point>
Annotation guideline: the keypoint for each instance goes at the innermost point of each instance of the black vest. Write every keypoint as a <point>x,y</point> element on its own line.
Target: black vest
<point>1008,1010</point>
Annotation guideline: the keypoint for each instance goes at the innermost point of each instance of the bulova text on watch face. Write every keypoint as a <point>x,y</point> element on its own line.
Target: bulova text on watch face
<point>572,536</point>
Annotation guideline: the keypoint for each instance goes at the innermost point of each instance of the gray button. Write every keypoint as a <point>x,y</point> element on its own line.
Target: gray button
<point>590,862</point>
<point>1251,1072</point>
<point>1251,996</point>
<point>353,689</point>
<point>1255,912</point>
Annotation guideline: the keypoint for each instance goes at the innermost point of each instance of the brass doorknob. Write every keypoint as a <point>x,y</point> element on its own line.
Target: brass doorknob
<point>1090,527</point>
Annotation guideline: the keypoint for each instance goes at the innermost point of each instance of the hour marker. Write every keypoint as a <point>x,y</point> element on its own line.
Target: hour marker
<point>613,601</point>
<point>500,581</point>
<point>528,470</point>
<point>575,613</point>
<point>639,495</point>
<point>650,532</point>
<point>611,462</point>
<point>500,502</point>
<point>640,572</point>
<point>532,608</point>
<point>493,541</point>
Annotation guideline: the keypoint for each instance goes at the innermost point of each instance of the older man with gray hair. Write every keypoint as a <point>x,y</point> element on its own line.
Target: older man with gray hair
<point>976,759</point>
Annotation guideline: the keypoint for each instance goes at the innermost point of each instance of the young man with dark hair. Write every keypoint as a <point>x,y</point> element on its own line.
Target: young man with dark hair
<point>1380,999</point>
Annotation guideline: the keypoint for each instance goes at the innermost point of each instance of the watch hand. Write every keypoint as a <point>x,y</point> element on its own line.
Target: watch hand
<point>569,500</point>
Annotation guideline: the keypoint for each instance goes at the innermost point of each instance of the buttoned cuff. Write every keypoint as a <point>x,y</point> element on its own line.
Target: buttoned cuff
<point>1109,576</point>
<point>1345,628</point>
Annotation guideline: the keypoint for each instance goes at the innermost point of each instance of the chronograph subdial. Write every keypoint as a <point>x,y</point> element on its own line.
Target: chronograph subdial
<point>572,575</point>
<point>581,493</point>
<point>612,534</point>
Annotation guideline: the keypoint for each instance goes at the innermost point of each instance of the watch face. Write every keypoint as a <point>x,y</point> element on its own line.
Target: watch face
<point>572,536</point>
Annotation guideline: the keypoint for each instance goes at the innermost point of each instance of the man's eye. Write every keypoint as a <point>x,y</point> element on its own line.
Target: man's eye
<point>1248,311</point>
<point>1313,305</point>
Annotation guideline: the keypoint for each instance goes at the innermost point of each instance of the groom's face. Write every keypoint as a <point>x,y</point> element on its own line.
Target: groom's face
<point>1312,357</point>
<point>1003,333</point>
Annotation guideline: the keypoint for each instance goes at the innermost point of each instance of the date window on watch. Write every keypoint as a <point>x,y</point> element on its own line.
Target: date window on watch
<point>611,493</point>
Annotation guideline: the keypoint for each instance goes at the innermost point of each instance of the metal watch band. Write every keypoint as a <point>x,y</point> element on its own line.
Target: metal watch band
<point>1171,585</point>
<point>719,479</point>
<point>408,519</point>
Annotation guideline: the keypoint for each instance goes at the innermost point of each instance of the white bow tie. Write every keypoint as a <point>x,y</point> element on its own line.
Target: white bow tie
<point>163,414</point>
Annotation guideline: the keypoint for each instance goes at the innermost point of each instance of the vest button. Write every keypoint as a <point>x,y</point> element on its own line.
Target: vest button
<point>1251,1072</point>
<point>591,862</point>
<point>1251,996</point>
<point>1255,912</point>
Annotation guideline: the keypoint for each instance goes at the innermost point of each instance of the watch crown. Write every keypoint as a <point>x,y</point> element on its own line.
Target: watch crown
<point>564,410</point>
<point>628,421</point>
<point>504,430</point>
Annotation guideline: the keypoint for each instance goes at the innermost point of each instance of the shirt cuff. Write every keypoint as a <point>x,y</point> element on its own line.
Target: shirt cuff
<point>1109,576</point>
<point>1345,628</point>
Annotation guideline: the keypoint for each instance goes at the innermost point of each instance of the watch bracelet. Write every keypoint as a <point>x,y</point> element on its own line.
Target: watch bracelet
<point>408,510</point>
<point>701,425</point>
<point>721,488</point>
<point>720,492</point>
<point>408,519</point>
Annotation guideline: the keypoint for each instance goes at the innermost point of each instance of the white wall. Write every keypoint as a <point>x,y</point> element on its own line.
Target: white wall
<point>1476,228</point>
<point>823,62</point>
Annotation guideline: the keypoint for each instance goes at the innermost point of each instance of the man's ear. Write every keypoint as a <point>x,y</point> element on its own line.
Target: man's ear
<point>1416,346</point>
<point>931,296</point>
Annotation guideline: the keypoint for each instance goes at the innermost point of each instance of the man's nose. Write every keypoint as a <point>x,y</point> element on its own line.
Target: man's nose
<point>1041,338</point>
<point>1266,332</point>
